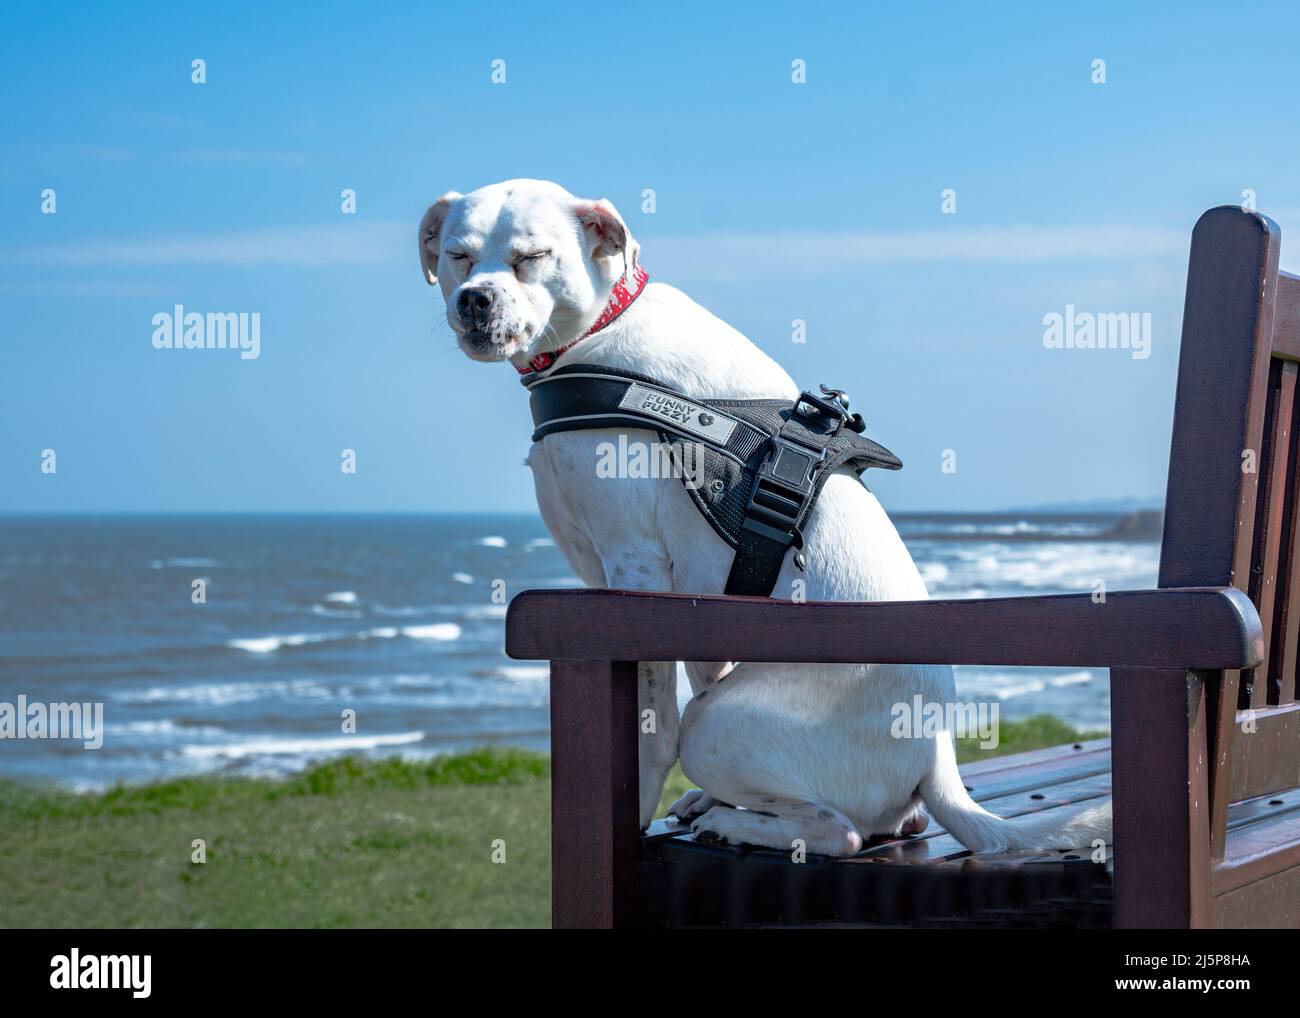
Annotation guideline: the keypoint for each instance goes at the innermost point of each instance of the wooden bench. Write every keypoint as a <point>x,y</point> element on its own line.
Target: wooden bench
<point>1204,756</point>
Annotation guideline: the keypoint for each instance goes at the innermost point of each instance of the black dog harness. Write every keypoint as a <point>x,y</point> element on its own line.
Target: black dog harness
<point>753,467</point>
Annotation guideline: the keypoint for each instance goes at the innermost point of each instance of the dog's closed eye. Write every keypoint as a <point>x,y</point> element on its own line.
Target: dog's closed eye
<point>530,260</point>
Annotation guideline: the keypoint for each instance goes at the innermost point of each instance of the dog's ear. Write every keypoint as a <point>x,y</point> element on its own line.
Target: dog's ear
<point>431,235</point>
<point>607,234</point>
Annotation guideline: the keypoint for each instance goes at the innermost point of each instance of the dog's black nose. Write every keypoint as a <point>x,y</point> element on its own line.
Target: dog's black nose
<point>473,304</point>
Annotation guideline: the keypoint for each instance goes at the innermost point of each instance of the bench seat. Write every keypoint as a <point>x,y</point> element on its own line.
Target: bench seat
<point>926,880</point>
<point>931,880</point>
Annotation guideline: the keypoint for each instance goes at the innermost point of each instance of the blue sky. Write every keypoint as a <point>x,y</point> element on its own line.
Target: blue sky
<point>775,201</point>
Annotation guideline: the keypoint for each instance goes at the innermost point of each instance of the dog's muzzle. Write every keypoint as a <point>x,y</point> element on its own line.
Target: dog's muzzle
<point>474,309</point>
<point>483,324</point>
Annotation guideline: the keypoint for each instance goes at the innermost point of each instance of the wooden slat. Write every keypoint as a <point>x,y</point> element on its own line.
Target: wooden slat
<point>1221,690</point>
<point>1198,628</point>
<point>1264,807</point>
<point>594,810</point>
<point>1015,761</point>
<point>1030,775</point>
<point>1222,377</point>
<point>1272,903</point>
<point>1286,628</point>
<point>1267,758</point>
<point>1258,851</point>
<point>1269,544</point>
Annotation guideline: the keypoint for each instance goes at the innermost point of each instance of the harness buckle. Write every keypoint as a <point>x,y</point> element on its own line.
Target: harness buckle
<point>782,490</point>
<point>835,405</point>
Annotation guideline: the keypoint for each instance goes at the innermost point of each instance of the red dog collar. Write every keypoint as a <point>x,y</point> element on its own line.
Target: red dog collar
<point>620,299</point>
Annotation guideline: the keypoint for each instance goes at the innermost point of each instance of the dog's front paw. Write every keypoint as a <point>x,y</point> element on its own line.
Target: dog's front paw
<point>693,804</point>
<point>723,824</point>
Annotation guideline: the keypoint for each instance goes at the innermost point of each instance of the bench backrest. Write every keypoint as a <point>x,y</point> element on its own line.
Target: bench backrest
<point>1234,488</point>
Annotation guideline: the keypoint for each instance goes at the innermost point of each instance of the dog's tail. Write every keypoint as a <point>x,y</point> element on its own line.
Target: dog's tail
<point>980,831</point>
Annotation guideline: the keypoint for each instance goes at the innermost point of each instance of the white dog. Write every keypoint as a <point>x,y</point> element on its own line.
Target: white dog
<point>805,751</point>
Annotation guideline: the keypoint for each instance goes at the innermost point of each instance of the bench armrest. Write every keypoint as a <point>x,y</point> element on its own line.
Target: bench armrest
<point>1187,627</point>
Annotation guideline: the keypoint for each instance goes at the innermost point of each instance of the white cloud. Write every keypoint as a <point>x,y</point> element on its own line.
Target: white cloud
<point>353,243</point>
<point>80,288</point>
<point>214,157</point>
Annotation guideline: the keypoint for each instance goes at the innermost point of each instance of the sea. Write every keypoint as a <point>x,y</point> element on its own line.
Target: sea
<point>261,644</point>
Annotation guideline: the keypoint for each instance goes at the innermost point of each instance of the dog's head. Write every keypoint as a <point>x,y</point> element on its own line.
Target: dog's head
<point>524,266</point>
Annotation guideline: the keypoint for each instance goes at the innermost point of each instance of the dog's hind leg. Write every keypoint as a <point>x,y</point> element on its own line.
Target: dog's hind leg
<point>784,824</point>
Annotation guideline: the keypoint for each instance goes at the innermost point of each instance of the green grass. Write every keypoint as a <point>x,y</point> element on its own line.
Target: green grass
<point>1021,736</point>
<point>348,843</point>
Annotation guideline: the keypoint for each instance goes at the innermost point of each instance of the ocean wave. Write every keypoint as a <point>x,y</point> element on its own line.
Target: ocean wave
<point>433,631</point>
<point>1050,568</point>
<point>221,694</point>
<point>1004,686</point>
<point>462,577</point>
<point>163,726</point>
<point>523,673</point>
<point>271,644</point>
<point>486,611</point>
<point>336,613</point>
<point>185,563</point>
<point>342,597</point>
<point>933,572</point>
<point>491,542</point>
<point>421,680</point>
<point>406,611</point>
<point>301,746</point>
<point>468,613</point>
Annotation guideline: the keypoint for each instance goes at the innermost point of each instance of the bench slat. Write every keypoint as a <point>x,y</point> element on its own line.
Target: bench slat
<point>1269,549</point>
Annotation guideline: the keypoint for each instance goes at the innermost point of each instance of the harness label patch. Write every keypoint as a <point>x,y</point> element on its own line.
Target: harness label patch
<point>681,413</point>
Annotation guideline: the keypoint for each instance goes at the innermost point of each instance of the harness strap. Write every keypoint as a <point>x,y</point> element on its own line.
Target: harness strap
<point>584,397</point>
<point>783,493</point>
<point>768,458</point>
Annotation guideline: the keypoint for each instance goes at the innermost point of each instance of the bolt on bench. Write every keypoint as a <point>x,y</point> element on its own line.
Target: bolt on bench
<point>1204,756</point>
